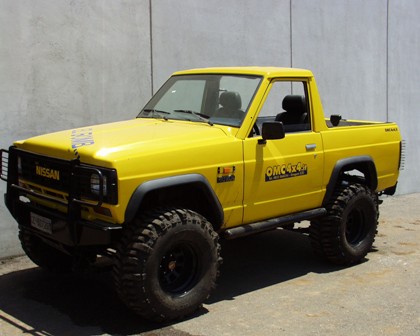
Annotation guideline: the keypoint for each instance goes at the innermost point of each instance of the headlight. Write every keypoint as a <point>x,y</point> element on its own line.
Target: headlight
<point>95,185</point>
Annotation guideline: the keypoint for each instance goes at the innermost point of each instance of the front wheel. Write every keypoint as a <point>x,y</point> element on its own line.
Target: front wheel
<point>347,233</point>
<point>167,264</point>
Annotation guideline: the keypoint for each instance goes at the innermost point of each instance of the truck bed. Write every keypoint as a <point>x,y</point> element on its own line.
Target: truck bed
<point>346,122</point>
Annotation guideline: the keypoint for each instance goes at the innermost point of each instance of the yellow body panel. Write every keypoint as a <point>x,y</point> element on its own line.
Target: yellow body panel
<point>276,178</point>
<point>282,177</point>
<point>373,140</point>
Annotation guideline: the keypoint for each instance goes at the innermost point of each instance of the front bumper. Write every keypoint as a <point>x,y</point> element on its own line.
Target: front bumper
<point>60,228</point>
<point>28,204</point>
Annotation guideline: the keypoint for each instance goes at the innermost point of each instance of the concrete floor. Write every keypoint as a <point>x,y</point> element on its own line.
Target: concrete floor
<point>271,284</point>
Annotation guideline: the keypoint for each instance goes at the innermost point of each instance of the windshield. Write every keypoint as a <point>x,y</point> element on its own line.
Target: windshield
<point>212,98</point>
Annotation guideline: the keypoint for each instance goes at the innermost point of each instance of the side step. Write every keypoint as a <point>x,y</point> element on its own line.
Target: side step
<point>249,229</point>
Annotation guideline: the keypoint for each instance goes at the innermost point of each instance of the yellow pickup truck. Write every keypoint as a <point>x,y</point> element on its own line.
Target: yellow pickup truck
<point>216,153</point>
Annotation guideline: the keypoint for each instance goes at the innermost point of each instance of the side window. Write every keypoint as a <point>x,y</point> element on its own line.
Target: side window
<point>287,102</point>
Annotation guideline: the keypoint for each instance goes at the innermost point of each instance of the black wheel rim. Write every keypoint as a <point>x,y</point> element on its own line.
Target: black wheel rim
<point>355,227</point>
<point>178,269</point>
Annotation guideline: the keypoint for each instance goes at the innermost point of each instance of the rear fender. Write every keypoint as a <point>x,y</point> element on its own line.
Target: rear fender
<point>364,164</point>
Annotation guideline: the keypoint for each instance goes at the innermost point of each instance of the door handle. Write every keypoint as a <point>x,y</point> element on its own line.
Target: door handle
<point>310,147</point>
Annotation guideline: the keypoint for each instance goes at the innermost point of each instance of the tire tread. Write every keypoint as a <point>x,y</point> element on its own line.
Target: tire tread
<point>137,244</point>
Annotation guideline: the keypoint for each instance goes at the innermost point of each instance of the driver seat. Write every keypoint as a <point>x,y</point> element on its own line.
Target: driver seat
<point>295,110</point>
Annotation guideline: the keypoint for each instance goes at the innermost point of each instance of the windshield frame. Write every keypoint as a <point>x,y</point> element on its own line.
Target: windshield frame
<point>210,101</point>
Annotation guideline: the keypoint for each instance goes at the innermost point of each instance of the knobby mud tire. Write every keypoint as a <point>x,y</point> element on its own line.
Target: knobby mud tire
<point>346,234</point>
<point>167,264</point>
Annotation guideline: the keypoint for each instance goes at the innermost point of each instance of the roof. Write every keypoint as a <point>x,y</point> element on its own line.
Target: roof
<point>268,72</point>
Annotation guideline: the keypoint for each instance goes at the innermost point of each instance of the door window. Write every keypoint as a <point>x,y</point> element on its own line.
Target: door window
<point>287,102</point>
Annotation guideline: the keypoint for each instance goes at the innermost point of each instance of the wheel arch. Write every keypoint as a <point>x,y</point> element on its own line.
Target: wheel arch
<point>197,194</point>
<point>364,164</point>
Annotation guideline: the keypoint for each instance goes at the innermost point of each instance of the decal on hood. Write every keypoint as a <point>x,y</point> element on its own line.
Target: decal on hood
<point>81,137</point>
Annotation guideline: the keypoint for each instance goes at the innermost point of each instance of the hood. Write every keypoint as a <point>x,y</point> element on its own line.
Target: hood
<point>108,142</point>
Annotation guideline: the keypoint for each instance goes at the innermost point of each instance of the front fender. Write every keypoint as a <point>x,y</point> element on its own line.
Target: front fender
<point>197,180</point>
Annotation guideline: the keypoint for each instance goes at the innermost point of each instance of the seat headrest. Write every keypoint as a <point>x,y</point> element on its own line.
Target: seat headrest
<point>295,103</point>
<point>231,100</point>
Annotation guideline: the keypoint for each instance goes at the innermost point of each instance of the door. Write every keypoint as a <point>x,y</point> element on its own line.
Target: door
<point>283,176</point>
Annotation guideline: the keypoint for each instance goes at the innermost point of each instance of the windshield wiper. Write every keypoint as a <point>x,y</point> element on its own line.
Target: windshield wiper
<point>155,113</point>
<point>199,115</point>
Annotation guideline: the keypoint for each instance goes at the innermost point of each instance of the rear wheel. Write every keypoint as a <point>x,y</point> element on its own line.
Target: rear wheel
<point>167,264</point>
<point>347,233</point>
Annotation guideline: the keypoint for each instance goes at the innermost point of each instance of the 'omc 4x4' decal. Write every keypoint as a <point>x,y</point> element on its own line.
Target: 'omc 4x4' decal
<point>285,171</point>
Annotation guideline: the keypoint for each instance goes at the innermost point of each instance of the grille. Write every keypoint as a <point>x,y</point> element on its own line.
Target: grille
<point>48,172</point>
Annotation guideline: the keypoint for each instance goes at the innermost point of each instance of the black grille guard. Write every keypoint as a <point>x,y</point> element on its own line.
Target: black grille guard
<point>74,169</point>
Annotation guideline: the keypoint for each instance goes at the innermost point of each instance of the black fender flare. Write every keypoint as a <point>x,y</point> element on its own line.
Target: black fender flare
<point>189,179</point>
<point>363,163</point>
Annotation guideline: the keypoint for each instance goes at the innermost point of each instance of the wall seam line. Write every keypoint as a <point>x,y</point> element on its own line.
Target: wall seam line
<point>387,62</point>
<point>151,47</point>
<point>291,35</point>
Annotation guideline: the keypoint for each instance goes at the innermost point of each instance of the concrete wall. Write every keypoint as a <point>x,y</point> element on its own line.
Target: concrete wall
<point>65,64</point>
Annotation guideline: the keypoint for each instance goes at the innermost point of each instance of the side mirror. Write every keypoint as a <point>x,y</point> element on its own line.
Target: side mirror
<point>273,130</point>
